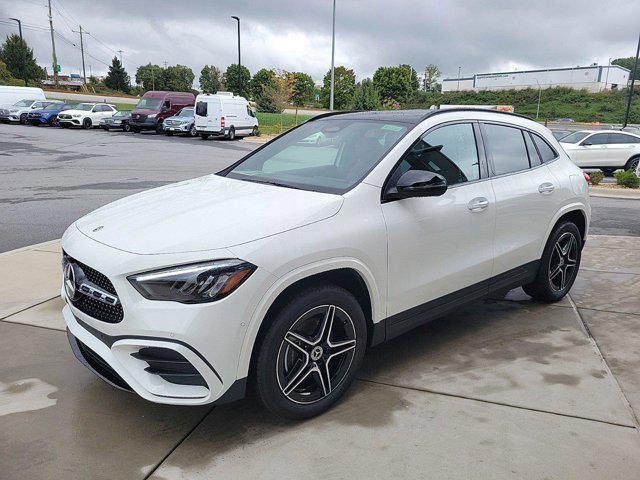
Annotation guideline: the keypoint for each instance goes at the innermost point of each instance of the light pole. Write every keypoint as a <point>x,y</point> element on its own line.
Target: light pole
<point>459,68</point>
<point>633,81</point>
<point>606,79</point>
<point>539,95</point>
<point>84,70</point>
<point>238,20</point>
<point>333,54</point>
<point>24,60</point>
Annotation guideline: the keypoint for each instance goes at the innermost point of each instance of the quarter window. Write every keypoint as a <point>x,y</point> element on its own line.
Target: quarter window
<point>449,151</point>
<point>534,158</point>
<point>546,152</point>
<point>506,149</point>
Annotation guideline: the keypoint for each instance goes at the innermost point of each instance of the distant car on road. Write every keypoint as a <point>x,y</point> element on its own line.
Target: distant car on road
<point>119,121</point>
<point>565,120</point>
<point>182,122</point>
<point>19,111</point>
<point>49,114</point>
<point>560,133</point>
<point>608,150</point>
<point>86,115</point>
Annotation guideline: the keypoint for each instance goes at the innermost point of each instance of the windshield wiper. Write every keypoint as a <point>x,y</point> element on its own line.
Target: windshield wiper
<point>271,182</point>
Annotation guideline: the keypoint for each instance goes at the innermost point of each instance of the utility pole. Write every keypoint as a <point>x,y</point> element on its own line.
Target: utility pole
<point>53,48</point>
<point>120,52</point>
<point>633,81</point>
<point>459,68</point>
<point>333,54</point>
<point>539,96</point>
<point>606,80</point>
<point>165,64</point>
<point>237,19</point>
<point>24,60</point>
<point>84,71</point>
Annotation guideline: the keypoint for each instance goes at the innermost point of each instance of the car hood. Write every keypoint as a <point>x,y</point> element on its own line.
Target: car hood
<point>75,112</point>
<point>205,213</point>
<point>182,119</point>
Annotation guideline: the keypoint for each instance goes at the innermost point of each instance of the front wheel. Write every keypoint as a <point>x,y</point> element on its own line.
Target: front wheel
<point>192,131</point>
<point>559,264</point>
<point>126,127</point>
<point>23,119</point>
<point>311,352</point>
<point>159,128</point>
<point>86,123</point>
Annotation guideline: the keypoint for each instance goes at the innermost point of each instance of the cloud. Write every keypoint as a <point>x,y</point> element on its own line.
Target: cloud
<point>479,36</point>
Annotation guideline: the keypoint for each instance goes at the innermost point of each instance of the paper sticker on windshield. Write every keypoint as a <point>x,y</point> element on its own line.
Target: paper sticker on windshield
<point>392,128</point>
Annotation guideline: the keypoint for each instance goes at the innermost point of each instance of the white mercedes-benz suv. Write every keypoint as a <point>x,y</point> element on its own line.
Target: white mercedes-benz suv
<point>349,230</point>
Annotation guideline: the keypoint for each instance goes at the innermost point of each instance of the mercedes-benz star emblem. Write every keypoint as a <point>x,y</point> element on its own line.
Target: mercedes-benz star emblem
<point>70,281</point>
<point>99,227</point>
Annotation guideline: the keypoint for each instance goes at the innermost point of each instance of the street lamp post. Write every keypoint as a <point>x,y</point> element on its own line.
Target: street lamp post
<point>238,20</point>
<point>333,53</point>
<point>459,68</point>
<point>539,95</point>
<point>24,60</point>
<point>633,81</point>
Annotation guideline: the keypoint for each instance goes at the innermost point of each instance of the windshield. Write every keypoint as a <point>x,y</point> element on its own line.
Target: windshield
<point>23,103</point>
<point>330,155</point>
<point>150,103</point>
<point>574,137</point>
<point>185,112</point>
<point>84,106</point>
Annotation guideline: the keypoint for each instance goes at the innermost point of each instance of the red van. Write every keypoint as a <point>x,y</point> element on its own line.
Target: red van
<point>154,107</point>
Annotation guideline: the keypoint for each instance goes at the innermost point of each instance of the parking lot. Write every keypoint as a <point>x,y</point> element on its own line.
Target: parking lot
<point>507,388</point>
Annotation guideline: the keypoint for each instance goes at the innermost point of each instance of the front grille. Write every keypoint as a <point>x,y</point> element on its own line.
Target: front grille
<point>91,306</point>
<point>4,112</point>
<point>139,117</point>
<point>64,116</point>
<point>170,366</point>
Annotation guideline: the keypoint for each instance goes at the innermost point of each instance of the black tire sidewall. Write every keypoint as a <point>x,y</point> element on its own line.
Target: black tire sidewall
<point>266,379</point>
<point>232,134</point>
<point>87,123</point>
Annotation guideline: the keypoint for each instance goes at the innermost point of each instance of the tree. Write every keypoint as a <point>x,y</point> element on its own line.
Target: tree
<point>19,59</point>
<point>178,78</point>
<point>261,89</point>
<point>302,88</point>
<point>344,88</point>
<point>392,83</point>
<point>150,77</point>
<point>117,78</point>
<point>431,75</point>
<point>210,79</point>
<point>366,97</point>
<point>237,78</point>
<point>275,95</point>
<point>628,63</point>
<point>413,76</point>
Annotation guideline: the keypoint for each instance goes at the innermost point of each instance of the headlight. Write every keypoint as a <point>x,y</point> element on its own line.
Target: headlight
<point>153,115</point>
<point>76,115</point>
<point>193,283</point>
<point>13,110</point>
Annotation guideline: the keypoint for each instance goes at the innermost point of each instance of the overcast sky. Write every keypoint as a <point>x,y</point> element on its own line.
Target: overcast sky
<point>295,35</point>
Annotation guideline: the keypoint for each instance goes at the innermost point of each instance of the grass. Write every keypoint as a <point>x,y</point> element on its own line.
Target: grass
<point>274,123</point>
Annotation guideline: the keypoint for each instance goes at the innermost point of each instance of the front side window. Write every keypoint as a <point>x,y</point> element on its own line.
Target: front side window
<point>85,107</point>
<point>329,155</point>
<point>546,152</point>
<point>574,137</point>
<point>185,112</point>
<point>597,139</point>
<point>506,149</point>
<point>449,151</point>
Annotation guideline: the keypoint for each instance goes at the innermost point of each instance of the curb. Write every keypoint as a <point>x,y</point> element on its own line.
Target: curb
<point>614,193</point>
<point>35,246</point>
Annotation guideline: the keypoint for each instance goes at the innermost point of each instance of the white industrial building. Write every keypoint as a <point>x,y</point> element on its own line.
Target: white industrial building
<point>593,78</point>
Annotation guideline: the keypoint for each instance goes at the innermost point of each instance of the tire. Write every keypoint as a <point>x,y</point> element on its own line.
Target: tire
<point>52,122</point>
<point>126,127</point>
<point>204,136</point>
<point>295,362</point>
<point>159,128</point>
<point>87,123</point>
<point>192,131</point>
<point>632,164</point>
<point>256,131</point>
<point>232,134</point>
<point>23,119</point>
<point>561,255</point>
<point>608,171</point>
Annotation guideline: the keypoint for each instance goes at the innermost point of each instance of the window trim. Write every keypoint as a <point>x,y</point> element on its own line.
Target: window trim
<point>483,167</point>
<point>542,162</point>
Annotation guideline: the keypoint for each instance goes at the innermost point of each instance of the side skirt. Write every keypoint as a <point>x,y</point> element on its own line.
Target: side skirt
<point>402,322</point>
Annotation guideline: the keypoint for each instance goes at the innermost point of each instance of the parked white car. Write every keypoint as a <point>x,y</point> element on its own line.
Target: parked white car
<point>349,230</point>
<point>608,150</point>
<point>19,111</point>
<point>86,115</point>
<point>224,115</point>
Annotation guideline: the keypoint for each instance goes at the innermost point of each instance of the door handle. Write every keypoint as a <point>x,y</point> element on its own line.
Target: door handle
<point>546,187</point>
<point>478,204</point>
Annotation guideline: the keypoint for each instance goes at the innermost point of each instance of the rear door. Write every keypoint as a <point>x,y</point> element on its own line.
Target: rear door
<point>622,147</point>
<point>524,195</point>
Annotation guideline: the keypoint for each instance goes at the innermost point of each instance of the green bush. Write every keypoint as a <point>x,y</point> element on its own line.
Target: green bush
<point>596,178</point>
<point>627,179</point>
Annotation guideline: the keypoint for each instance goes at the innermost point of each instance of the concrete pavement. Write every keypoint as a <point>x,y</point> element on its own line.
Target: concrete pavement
<point>507,388</point>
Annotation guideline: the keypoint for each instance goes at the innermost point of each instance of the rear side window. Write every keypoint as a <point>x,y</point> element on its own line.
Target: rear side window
<point>546,152</point>
<point>201,109</point>
<point>449,151</point>
<point>506,149</point>
<point>622,138</point>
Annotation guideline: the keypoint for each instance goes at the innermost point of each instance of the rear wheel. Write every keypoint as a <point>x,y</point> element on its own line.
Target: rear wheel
<point>559,264</point>
<point>86,123</point>
<point>232,134</point>
<point>632,164</point>
<point>255,132</point>
<point>311,352</point>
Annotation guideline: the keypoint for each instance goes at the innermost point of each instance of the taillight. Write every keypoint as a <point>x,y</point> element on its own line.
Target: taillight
<point>586,177</point>
<point>222,122</point>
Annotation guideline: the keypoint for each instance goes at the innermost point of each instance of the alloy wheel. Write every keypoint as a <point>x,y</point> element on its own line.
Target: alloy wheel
<point>563,261</point>
<point>316,354</point>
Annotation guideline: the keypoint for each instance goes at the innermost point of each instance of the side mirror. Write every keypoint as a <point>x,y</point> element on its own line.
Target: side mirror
<point>418,183</point>
<point>586,143</point>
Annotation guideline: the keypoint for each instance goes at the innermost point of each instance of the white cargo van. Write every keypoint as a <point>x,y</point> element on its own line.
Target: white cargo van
<point>224,115</point>
<point>10,95</point>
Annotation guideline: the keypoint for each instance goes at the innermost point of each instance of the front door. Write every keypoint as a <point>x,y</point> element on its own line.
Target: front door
<point>439,246</point>
<point>592,151</point>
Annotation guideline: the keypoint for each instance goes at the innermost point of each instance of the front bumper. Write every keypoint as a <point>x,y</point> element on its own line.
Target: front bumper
<point>176,128</point>
<point>146,124</point>
<point>76,122</point>
<point>208,336</point>
<point>10,118</point>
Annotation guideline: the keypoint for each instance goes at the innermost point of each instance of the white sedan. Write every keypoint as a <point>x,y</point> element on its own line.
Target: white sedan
<point>86,115</point>
<point>605,149</point>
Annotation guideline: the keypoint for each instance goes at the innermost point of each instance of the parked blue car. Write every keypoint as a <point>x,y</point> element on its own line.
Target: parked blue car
<point>49,114</point>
